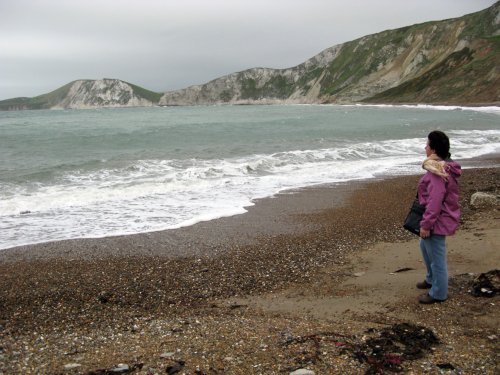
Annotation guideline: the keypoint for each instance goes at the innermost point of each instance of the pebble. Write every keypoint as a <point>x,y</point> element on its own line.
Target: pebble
<point>71,366</point>
<point>167,355</point>
<point>122,367</point>
<point>302,371</point>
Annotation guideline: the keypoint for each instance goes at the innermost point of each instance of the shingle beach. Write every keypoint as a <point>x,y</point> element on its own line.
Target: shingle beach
<point>320,280</point>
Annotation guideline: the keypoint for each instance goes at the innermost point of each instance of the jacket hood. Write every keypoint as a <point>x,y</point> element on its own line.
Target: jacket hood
<point>452,168</point>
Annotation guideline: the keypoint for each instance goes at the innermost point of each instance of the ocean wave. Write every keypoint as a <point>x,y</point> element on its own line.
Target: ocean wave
<point>155,177</point>
<point>151,194</point>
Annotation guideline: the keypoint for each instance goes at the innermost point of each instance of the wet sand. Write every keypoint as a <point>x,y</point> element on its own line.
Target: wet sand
<point>226,296</point>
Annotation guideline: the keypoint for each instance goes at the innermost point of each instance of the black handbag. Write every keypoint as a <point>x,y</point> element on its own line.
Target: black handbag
<point>412,221</point>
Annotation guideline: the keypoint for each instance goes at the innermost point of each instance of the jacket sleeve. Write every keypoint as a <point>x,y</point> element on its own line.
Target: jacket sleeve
<point>436,190</point>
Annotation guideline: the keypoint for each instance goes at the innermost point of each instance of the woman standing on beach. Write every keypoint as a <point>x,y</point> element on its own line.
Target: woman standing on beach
<point>438,192</point>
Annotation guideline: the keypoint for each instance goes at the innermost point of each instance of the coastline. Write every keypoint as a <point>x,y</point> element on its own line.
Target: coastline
<point>195,290</point>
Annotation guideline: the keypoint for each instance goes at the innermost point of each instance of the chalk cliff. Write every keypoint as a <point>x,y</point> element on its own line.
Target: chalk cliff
<point>88,94</point>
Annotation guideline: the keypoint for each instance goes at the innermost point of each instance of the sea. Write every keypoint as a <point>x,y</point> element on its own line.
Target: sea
<point>93,173</point>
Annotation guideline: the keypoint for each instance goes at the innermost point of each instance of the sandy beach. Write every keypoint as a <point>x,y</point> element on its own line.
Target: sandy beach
<point>320,279</point>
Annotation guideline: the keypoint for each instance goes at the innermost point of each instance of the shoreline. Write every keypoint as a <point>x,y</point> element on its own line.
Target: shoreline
<point>203,228</point>
<point>271,103</point>
<point>196,294</point>
<point>201,238</point>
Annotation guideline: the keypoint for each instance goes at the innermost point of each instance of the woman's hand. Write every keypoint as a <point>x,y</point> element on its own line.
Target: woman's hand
<point>424,233</point>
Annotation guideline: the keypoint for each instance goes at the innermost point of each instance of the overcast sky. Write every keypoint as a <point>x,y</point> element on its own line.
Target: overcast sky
<point>164,45</point>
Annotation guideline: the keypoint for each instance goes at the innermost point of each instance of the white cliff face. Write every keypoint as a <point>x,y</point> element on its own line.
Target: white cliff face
<point>228,89</point>
<point>398,63</point>
<point>101,93</point>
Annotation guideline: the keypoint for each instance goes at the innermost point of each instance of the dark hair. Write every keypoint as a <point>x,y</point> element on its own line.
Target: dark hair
<point>440,143</point>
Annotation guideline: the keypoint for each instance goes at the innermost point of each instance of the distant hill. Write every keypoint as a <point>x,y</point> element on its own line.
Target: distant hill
<point>454,61</point>
<point>88,94</point>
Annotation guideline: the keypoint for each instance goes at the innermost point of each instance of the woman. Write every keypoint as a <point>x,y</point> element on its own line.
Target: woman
<point>438,192</point>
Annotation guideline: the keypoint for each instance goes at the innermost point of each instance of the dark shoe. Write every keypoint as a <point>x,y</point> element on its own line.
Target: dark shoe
<point>424,285</point>
<point>426,299</point>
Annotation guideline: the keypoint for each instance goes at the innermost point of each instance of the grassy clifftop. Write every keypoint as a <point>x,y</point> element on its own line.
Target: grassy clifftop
<point>38,102</point>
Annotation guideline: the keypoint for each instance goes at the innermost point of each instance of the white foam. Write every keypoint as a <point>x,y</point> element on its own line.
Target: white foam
<point>485,109</point>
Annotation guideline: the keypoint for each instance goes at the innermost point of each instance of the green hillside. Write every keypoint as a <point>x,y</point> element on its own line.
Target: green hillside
<point>37,102</point>
<point>466,76</point>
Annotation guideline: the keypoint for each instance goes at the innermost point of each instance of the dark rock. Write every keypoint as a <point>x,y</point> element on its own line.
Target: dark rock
<point>446,366</point>
<point>174,369</point>
<point>104,297</point>
<point>486,284</point>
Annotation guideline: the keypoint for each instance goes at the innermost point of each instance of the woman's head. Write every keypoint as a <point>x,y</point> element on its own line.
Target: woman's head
<point>438,143</point>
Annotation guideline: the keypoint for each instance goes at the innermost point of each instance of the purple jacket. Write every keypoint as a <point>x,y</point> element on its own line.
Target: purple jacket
<point>440,198</point>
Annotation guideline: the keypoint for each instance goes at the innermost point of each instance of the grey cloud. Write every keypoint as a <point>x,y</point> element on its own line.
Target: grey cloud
<point>164,45</point>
